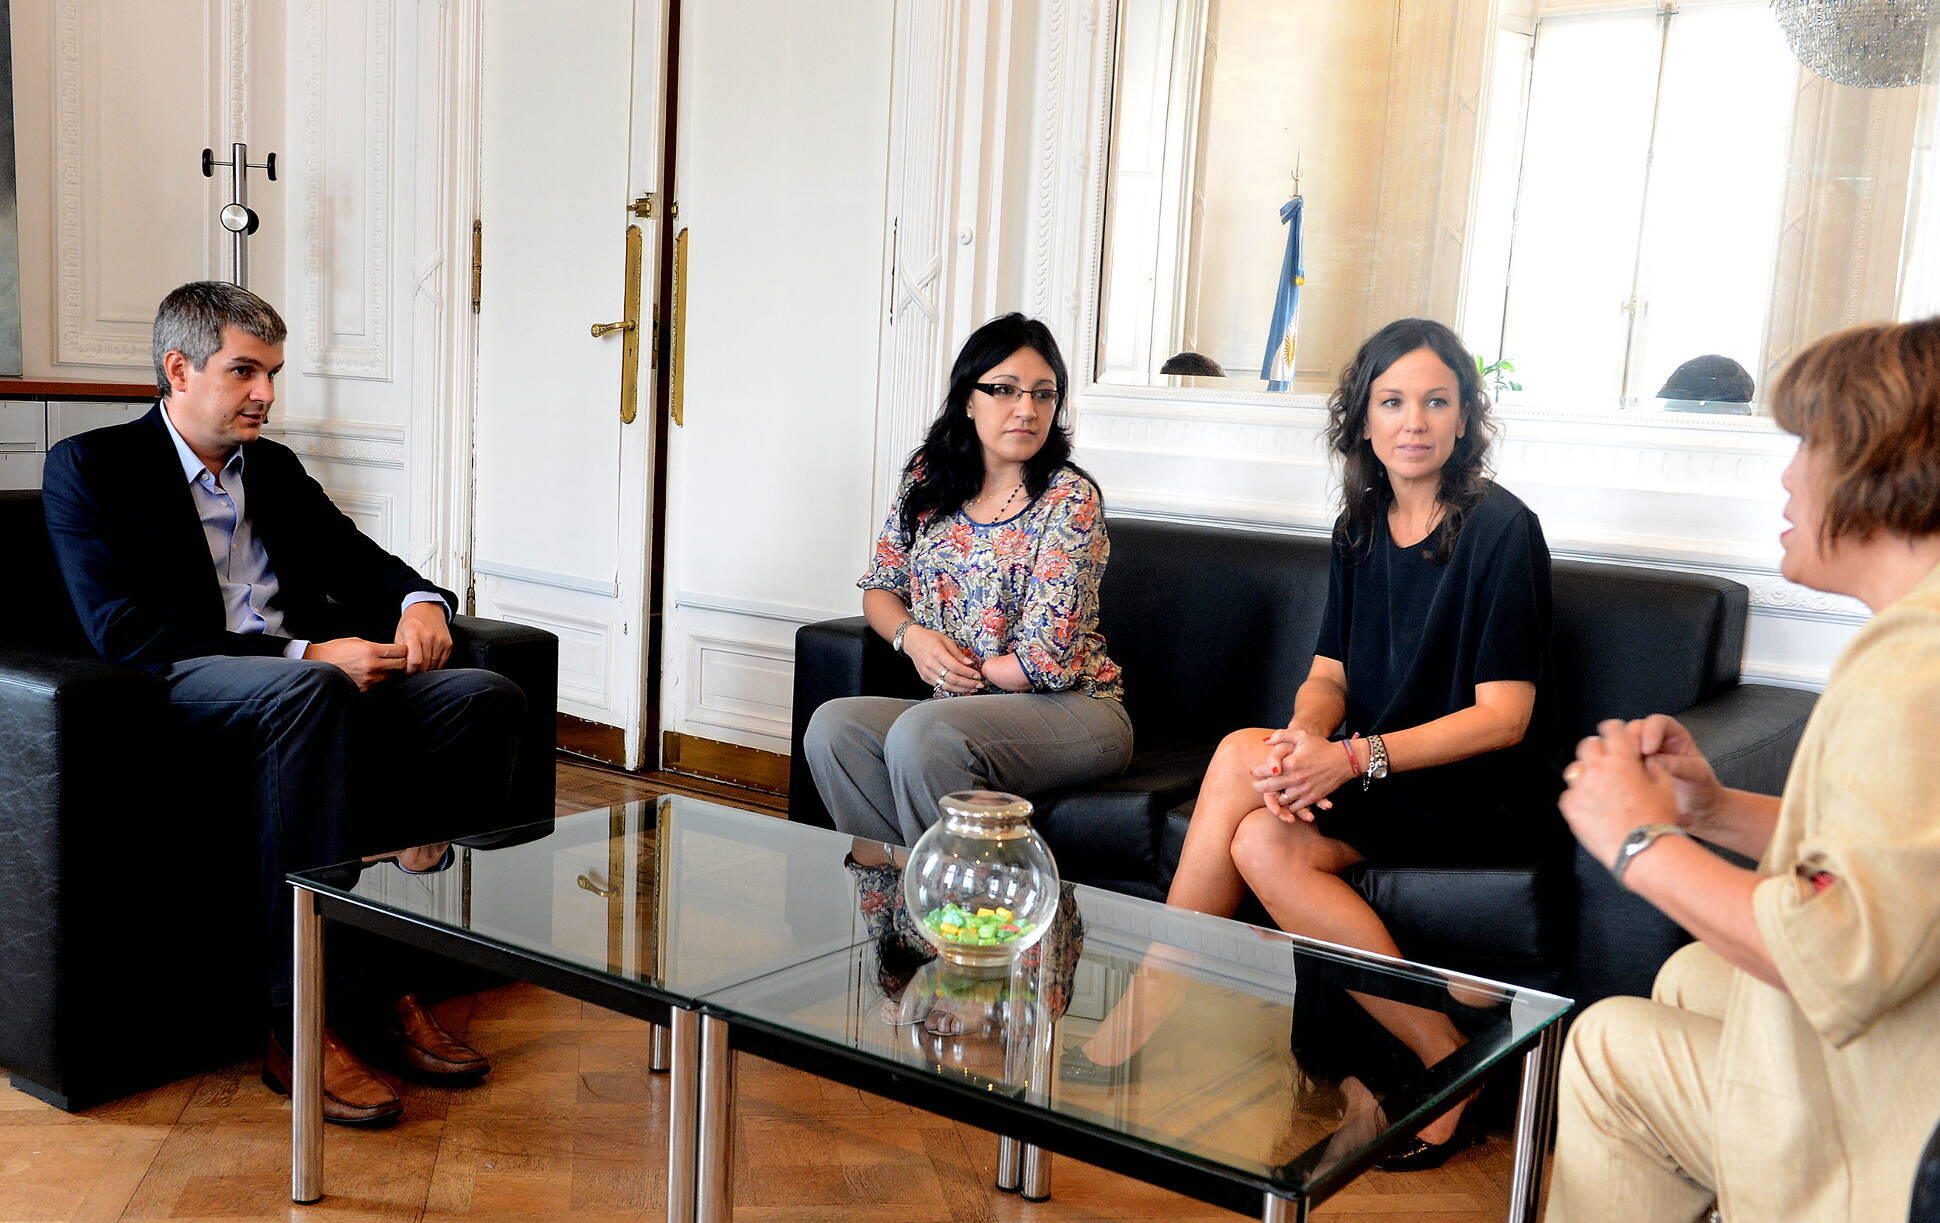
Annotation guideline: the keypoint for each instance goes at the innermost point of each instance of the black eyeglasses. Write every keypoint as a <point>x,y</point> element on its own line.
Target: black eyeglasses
<point>1004,392</point>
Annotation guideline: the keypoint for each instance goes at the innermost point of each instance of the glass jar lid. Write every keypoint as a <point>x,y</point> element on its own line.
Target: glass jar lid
<point>987,813</point>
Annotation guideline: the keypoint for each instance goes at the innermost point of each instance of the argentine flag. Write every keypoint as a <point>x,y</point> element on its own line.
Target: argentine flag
<point>1277,369</point>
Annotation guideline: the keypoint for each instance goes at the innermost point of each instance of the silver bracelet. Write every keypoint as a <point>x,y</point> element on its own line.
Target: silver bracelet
<point>1377,761</point>
<point>1637,842</point>
<point>896,642</point>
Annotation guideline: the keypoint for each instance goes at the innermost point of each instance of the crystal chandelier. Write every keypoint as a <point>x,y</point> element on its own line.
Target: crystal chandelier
<point>1872,44</point>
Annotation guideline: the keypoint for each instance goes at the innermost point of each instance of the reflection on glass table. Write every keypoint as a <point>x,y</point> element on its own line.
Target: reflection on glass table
<point>673,896</point>
<point>641,908</point>
<point>1260,1090</point>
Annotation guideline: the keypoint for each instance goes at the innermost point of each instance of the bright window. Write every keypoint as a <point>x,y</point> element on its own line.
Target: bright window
<point>1645,213</point>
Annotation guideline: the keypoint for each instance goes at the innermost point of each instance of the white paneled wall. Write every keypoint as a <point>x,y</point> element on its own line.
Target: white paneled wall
<point>113,105</point>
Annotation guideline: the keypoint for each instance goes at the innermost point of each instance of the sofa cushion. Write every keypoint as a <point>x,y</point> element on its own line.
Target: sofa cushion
<point>1109,834</point>
<point>1629,642</point>
<point>1215,629</point>
<point>1508,926</point>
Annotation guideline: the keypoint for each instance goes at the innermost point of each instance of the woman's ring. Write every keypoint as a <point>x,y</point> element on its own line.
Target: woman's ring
<point>1573,772</point>
<point>942,673</point>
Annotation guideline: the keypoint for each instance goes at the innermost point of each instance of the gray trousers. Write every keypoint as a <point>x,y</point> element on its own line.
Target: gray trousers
<point>881,763</point>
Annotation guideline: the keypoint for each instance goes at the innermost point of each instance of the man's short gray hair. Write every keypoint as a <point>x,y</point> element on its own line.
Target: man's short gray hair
<point>190,321</point>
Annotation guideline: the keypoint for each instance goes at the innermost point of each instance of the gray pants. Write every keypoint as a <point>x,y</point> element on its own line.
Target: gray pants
<point>881,763</point>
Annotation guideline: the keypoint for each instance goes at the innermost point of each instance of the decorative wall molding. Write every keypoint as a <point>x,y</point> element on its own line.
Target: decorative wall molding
<point>370,511</point>
<point>739,684</point>
<point>584,644</point>
<point>328,350</point>
<point>1781,675</point>
<point>783,612</point>
<point>922,170</point>
<point>84,335</point>
<point>362,443</point>
<point>608,588</point>
<point>443,331</point>
<point>1074,138</point>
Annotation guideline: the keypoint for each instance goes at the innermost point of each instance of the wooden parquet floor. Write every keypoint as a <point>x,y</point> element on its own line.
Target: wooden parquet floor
<point>571,1124</point>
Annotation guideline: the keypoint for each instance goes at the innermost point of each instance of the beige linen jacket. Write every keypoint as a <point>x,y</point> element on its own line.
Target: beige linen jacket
<point>1827,1094</point>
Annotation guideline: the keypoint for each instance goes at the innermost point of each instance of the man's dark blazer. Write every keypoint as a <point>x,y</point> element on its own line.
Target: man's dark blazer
<point>129,542</point>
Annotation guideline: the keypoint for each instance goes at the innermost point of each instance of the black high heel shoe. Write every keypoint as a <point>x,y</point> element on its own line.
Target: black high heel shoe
<point>1420,1156</point>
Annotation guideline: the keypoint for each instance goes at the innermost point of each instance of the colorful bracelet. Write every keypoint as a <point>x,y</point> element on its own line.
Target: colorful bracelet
<point>1347,745</point>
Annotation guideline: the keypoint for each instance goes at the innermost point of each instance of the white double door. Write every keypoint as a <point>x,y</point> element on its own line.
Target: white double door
<point>781,158</point>
<point>570,105</point>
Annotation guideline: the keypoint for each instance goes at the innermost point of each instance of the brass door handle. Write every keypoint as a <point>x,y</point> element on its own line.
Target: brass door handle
<point>677,341</point>
<point>629,329</point>
<point>586,884</point>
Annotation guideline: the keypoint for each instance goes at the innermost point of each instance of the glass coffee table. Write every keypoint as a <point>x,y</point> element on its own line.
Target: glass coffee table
<point>1259,1084</point>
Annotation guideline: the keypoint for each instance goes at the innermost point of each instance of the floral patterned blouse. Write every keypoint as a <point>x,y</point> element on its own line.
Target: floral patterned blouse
<point>1026,585</point>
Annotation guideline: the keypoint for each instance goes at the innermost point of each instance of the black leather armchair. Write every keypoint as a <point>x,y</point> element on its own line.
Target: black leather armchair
<point>125,959</point>
<point>1926,1184</point>
<point>1215,630</point>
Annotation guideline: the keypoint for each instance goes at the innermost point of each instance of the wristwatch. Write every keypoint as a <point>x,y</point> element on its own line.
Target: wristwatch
<point>1377,761</point>
<point>1637,842</point>
<point>896,642</point>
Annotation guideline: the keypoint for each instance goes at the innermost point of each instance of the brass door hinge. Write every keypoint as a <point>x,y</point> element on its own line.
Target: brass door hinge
<point>642,207</point>
<point>478,261</point>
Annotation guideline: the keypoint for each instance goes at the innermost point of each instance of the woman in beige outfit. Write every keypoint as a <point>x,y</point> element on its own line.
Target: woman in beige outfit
<point>1788,1064</point>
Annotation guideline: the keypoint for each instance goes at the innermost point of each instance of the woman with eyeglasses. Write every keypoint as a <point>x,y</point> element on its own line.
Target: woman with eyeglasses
<point>985,578</point>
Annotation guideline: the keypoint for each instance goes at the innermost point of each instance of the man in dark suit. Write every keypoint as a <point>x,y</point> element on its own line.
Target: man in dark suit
<point>294,648</point>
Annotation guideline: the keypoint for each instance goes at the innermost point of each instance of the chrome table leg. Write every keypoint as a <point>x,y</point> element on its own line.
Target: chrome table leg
<point>1535,1109</point>
<point>683,1111</point>
<point>1036,1186</point>
<point>714,1165</point>
<point>1010,1163</point>
<point>306,1053</point>
<point>658,1052</point>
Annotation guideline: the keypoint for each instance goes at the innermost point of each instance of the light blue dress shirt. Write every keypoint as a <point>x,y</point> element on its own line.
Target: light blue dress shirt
<point>241,562</point>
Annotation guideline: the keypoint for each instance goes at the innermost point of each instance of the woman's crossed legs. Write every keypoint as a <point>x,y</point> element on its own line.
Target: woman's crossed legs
<point>1235,844</point>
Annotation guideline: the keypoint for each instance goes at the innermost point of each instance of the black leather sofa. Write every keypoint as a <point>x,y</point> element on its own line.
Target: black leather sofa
<point>1215,630</point>
<point>129,946</point>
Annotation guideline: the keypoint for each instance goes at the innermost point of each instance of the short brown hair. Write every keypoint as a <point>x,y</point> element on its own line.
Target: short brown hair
<point>191,318</point>
<point>1869,399</point>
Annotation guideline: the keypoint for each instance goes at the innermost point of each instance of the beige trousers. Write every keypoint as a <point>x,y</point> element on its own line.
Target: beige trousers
<point>1634,1139</point>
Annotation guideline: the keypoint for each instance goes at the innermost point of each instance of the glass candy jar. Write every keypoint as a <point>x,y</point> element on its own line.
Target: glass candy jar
<point>980,884</point>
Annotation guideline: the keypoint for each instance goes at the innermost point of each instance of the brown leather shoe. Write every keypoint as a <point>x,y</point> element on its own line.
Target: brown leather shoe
<point>426,1053</point>
<point>352,1092</point>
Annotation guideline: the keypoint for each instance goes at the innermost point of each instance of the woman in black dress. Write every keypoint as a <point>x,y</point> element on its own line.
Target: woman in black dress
<point>1422,686</point>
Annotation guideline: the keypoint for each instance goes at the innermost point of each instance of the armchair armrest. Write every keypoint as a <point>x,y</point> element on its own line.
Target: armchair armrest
<point>828,664</point>
<point>529,657</point>
<point>87,817</point>
<point>1750,732</point>
<point>836,658</point>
